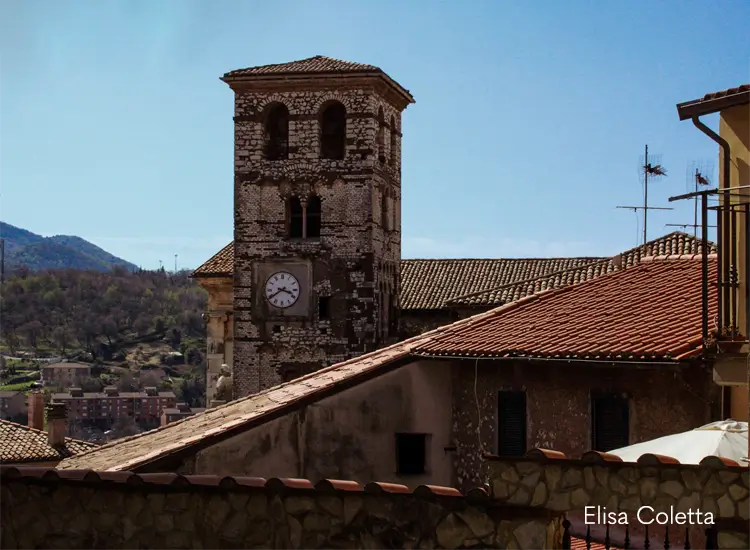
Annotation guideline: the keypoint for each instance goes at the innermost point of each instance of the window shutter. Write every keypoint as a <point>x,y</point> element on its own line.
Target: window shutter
<point>511,423</point>
<point>610,419</point>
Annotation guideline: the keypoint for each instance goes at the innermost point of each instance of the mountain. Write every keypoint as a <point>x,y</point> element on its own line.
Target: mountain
<point>24,248</point>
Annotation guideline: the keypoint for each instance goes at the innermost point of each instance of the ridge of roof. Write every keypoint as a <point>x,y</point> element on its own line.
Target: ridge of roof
<point>464,299</point>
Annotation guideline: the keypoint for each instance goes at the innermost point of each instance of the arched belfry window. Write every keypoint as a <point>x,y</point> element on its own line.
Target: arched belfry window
<point>394,141</point>
<point>381,136</point>
<point>313,217</point>
<point>304,220</point>
<point>276,132</point>
<point>333,131</point>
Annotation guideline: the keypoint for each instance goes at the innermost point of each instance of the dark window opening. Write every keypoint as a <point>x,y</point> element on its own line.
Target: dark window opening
<point>610,420</point>
<point>392,320</point>
<point>333,132</point>
<point>411,454</point>
<point>384,211</point>
<point>726,392</point>
<point>381,136</point>
<point>277,328</point>
<point>394,141</point>
<point>313,217</point>
<point>277,133</point>
<point>511,423</point>
<point>324,311</point>
<point>295,218</point>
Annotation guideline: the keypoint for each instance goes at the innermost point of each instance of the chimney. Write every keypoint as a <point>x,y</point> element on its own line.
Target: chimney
<point>36,410</point>
<point>617,261</point>
<point>56,424</point>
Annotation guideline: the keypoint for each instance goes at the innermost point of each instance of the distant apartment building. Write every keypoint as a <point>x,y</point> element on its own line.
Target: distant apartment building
<point>12,405</point>
<point>180,411</point>
<point>106,407</point>
<point>65,375</point>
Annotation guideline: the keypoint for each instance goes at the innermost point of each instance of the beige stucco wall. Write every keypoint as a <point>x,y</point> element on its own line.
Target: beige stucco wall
<point>219,330</point>
<point>350,435</point>
<point>734,127</point>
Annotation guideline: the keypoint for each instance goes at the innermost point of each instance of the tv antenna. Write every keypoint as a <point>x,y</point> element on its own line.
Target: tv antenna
<point>648,169</point>
<point>698,175</point>
<point>175,263</point>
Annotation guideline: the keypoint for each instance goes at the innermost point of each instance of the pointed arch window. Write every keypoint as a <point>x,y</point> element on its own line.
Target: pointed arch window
<point>276,132</point>
<point>384,210</point>
<point>333,131</point>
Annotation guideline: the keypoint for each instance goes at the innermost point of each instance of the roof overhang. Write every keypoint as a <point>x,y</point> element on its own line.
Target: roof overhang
<point>389,88</point>
<point>700,107</point>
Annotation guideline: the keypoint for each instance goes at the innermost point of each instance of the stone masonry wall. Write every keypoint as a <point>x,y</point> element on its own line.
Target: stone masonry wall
<point>603,481</point>
<point>353,263</point>
<point>662,401</point>
<point>201,513</point>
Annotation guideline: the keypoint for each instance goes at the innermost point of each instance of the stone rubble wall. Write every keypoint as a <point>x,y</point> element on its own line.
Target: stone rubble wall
<point>63,514</point>
<point>562,485</point>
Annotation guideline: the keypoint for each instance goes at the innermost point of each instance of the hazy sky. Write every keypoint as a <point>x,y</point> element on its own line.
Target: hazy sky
<point>529,121</point>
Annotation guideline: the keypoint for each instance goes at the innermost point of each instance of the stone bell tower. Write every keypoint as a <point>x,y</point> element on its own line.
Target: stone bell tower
<point>317,216</point>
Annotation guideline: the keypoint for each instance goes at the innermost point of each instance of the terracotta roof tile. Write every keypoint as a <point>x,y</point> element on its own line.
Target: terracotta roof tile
<point>678,243</point>
<point>724,93</point>
<point>434,284</point>
<point>651,311</point>
<point>20,443</point>
<point>715,102</point>
<point>132,452</point>
<point>317,64</point>
<point>220,264</point>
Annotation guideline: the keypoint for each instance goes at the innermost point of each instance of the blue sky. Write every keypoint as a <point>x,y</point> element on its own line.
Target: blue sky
<point>529,121</point>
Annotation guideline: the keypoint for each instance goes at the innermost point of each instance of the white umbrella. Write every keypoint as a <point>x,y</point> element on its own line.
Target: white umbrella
<point>726,438</point>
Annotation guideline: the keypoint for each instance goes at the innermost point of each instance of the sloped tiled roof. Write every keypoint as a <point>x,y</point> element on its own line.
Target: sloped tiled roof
<point>428,284</point>
<point>434,284</point>
<point>238,415</point>
<point>220,264</point>
<point>20,443</point>
<point>316,64</point>
<point>649,312</point>
<point>673,244</point>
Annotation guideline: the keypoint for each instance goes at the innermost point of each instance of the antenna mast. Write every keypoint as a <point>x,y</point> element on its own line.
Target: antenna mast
<point>646,169</point>
<point>696,177</point>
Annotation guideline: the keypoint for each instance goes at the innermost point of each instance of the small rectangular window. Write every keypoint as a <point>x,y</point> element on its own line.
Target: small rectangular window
<point>324,307</point>
<point>610,422</point>
<point>411,453</point>
<point>511,423</point>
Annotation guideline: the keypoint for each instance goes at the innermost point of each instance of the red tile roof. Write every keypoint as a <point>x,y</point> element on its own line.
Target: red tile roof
<point>317,64</point>
<point>20,443</point>
<point>648,312</point>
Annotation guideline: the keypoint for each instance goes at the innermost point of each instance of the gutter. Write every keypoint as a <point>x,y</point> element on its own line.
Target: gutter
<point>723,227</point>
<point>642,363</point>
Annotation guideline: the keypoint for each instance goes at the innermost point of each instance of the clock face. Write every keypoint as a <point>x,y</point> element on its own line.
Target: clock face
<point>282,289</point>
